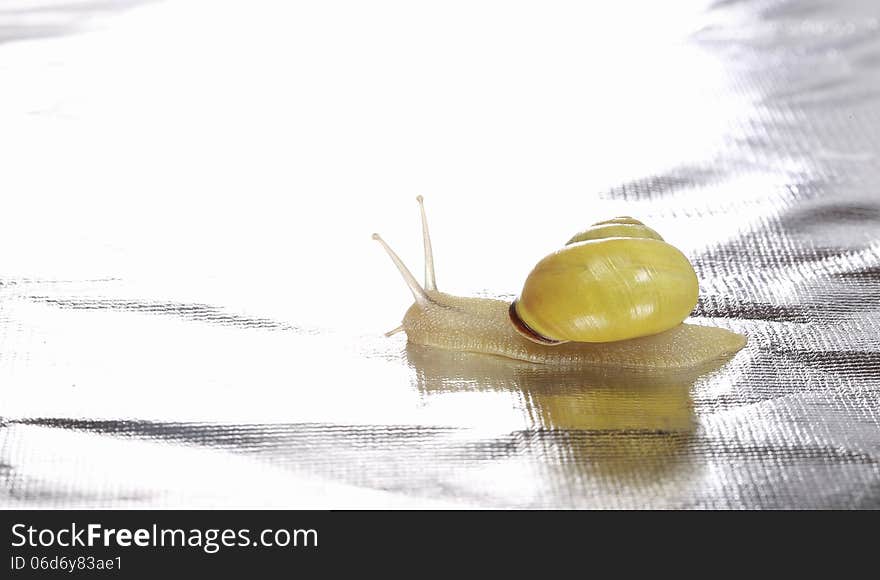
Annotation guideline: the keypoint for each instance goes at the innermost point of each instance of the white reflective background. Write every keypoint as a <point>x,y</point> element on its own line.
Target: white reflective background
<point>192,308</point>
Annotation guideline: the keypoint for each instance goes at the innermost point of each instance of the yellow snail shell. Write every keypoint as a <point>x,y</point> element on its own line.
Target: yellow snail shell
<point>614,281</point>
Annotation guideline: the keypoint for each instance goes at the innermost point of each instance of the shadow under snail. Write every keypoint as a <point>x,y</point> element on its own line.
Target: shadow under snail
<point>614,296</point>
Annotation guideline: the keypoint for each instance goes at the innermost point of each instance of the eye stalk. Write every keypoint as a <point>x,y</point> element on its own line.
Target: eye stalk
<point>419,292</point>
<point>421,297</point>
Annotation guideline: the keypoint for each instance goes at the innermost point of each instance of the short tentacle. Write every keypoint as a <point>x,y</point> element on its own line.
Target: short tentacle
<point>394,331</point>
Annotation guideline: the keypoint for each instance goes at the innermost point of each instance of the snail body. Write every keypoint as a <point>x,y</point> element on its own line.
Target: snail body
<point>642,328</point>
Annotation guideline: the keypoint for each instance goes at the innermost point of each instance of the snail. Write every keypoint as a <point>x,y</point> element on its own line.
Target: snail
<point>614,296</point>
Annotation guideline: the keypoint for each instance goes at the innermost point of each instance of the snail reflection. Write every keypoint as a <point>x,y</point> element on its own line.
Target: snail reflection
<point>593,400</point>
<point>632,426</point>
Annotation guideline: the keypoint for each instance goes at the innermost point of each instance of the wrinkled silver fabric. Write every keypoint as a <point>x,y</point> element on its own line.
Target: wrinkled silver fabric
<point>791,422</point>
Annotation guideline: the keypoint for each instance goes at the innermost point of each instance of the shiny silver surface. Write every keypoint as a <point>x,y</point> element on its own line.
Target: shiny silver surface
<point>191,308</point>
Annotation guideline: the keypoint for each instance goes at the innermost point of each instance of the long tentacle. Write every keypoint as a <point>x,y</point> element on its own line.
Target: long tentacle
<point>430,280</point>
<point>417,291</point>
